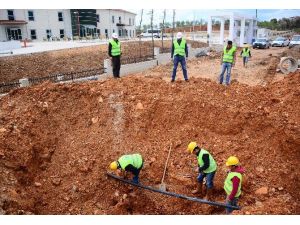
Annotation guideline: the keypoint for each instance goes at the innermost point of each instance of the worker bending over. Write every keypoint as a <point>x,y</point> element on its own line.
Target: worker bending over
<point>228,61</point>
<point>207,168</point>
<point>129,163</point>
<point>233,182</point>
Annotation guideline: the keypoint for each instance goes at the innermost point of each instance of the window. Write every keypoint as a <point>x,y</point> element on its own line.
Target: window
<point>62,33</point>
<point>113,30</point>
<point>120,33</point>
<point>106,33</point>
<point>48,33</point>
<point>60,16</point>
<point>98,18</point>
<point>33,34</point>
<point>99,32</point>
<point>30,16</point>
<point>120,19</point>
<point>113,19</point>
<point>129,21</point>
<point>10,14</point>
<point>14,34</point>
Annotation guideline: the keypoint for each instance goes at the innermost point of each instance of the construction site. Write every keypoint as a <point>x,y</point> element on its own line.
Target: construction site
<point>64,119</point>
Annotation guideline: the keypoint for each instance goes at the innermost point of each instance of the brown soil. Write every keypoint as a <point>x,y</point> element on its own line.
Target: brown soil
<point>57,141</point>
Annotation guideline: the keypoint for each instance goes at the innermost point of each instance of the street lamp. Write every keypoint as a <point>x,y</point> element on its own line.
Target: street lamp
<point>78,23</point>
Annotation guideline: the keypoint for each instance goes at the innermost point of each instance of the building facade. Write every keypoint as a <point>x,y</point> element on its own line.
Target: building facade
<point>58,24</point>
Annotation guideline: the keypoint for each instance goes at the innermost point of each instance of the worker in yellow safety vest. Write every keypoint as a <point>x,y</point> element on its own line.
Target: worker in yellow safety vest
<point>114,51</point>
<point>179,53</point>
<point>228,59</point>
<point>246,54</point>
<point>129,163</point>
<point>233,182</point>
<point>207,168</point>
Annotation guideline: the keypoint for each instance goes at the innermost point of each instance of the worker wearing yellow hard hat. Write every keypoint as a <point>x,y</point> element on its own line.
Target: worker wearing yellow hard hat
<point>129,163</point>
<point>233,182</point>
<point>207,168</point>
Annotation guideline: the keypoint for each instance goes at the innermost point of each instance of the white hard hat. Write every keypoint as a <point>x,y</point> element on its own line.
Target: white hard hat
<point>179,35</point>
<point>114,35</point>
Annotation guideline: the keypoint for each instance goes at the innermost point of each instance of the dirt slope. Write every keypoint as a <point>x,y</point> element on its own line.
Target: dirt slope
<point>57,141</point>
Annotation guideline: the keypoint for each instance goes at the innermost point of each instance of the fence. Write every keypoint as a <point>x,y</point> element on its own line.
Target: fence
<point>130,60</point>
<point>71,76</point>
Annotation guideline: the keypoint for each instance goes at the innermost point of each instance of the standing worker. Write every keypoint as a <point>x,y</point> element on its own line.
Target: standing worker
<point>129,163</point>
<point>228,59</point>
<point>207,168</point>
<point>179,51</point>
<point>114,51</point>
<point>245,53</point>
<point>233,182</point>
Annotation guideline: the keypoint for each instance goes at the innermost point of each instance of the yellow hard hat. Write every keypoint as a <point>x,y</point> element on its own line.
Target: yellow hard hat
<point>192,146</point>
<point>114,165</point>
<point>232,161</point>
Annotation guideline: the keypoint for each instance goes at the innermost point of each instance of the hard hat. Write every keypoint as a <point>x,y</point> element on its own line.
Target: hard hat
<point>232,161</point>
<point>114,35</point>
<point>114,165</point>
<point>179,35</point>
<point>192,146</point>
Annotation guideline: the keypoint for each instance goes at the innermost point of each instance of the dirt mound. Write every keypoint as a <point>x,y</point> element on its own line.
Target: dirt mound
<point>57,141</point>
<point>294,51</point>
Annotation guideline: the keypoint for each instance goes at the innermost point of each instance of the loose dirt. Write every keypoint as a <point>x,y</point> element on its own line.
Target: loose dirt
<point>57,141</point>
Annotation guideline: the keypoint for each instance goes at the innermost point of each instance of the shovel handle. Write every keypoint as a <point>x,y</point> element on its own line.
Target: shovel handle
<point>162,180</point>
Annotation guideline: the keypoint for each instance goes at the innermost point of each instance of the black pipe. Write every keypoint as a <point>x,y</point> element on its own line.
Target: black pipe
<point>174,194</point>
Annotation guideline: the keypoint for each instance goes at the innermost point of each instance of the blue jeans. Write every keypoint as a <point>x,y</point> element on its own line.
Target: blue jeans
<point>181,60</point>
<point>245,60</point>
<point>233,203</point>
<point>225,66</point>
<point>209,179</point>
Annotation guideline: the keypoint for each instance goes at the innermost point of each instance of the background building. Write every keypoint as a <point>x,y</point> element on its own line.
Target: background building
<point>57,24</point>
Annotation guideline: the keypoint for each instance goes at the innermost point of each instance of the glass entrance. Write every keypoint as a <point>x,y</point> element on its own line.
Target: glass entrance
<point>14,33</point>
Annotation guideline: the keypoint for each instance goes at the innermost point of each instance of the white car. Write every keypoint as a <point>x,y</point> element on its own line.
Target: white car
<point>281,42</point>
<point>148,33</point>
<point>295,40</point>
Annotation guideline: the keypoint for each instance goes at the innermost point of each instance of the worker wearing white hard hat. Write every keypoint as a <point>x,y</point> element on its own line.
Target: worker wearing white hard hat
<point>114,51</point>
<point>178,54</point>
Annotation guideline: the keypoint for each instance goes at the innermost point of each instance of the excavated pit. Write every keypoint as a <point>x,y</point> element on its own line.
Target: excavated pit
<point>57,141</point>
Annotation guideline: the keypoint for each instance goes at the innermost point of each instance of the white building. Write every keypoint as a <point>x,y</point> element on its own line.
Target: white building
<point>36,24</point>
<point>116,21</point>
<point>242,28</point>
<point>52,24</point>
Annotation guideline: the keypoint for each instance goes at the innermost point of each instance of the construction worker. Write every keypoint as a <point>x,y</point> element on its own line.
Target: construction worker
<point>245,53</point>
<point>179,52</point>
<point>207,168</point>
<point>233,182</point>
<point>129,163</point>
<point>228,59</point>
<point>114,51</point>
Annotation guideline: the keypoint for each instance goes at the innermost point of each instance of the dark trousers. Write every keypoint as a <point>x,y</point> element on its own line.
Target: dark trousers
<point>116,64</point>
<point>181,60</point>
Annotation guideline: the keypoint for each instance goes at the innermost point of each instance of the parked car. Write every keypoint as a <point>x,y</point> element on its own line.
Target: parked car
<point>295,40</point>
<point>262,43</point>
<point>280,42</point>
<point>148,33</point>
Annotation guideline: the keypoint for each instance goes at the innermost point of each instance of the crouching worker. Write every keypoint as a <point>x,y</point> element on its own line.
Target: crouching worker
<point>207,169</point>
<point>129,163</point>
<point>233,182</point>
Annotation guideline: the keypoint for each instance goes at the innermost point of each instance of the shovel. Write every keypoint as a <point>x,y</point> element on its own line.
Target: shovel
<point>162,185</point>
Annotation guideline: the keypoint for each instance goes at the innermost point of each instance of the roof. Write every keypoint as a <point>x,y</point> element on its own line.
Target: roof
<point>125,11</point>
<point>12,22</point>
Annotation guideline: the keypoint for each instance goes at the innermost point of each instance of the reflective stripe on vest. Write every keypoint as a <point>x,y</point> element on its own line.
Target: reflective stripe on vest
<point>246,52</point>
<point>179,49</point>
<point>228,56</point>
<point>135,160</point>
<point>228,183</point>
<point>212,163</point>
<point>115,48</point>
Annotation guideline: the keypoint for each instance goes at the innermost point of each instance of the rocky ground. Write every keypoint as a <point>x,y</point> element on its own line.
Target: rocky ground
<point>57,141</point>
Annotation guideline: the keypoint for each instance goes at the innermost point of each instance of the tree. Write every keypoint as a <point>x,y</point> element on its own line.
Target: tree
<point>178,24</point>
<point>163,30</point>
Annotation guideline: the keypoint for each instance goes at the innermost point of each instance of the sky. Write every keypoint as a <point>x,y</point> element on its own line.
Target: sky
<point>262,14</point>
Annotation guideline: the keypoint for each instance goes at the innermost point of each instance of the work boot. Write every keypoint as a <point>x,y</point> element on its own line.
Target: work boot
<point>208,194</point>
<point>198,190</point>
